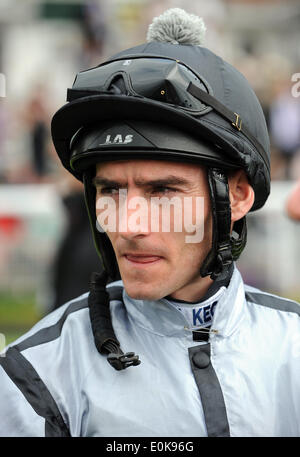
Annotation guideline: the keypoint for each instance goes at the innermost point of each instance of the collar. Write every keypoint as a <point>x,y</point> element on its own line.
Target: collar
<point>163,318</point>
<point>199,315</point>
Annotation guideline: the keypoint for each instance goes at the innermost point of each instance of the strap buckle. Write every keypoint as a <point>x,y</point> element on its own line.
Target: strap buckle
<point>122,361</point>
<point>238,122</point>
<point>225,254</point>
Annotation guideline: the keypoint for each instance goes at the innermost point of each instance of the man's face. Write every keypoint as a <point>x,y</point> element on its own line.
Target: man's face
<point>159,249</point>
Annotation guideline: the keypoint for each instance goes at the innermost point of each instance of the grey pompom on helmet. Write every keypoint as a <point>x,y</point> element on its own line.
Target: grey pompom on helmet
<point>178,101</point>
<point>176,26</point>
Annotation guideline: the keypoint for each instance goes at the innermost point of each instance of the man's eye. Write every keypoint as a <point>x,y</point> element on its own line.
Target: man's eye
<point>163,190</point>
<point>108,190</point>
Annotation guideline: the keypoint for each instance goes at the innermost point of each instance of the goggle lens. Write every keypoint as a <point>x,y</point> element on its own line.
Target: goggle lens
<point>159,79</point>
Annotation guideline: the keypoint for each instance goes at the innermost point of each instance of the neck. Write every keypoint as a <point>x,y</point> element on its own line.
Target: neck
<point>194,291</point>
<point>202,288</point>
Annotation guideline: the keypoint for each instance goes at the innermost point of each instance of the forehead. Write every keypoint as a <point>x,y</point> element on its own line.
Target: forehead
<point>149,169</point>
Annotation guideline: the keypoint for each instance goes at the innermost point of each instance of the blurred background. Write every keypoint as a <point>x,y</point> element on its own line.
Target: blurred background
<point>46,250</point>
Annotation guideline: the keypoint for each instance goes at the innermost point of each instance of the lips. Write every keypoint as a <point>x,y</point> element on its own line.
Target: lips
<point>142,258</point>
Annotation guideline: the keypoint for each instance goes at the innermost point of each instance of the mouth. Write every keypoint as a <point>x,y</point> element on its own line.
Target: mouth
<point>142,259</point>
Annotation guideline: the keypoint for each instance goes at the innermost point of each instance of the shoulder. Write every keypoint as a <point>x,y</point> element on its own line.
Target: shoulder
<point>30,367</point>
<point>271,301</point>
<point>52,325</point>
<point>63,319</point>
<point>47,367</point>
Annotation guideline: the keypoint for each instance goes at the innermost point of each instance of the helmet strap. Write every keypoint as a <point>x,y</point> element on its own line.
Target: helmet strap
<point>220,256</point>
<point>102,244</point>
<point>104,336</point>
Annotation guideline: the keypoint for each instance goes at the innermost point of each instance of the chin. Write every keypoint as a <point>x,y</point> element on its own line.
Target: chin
<point>142,295</point>
<point>142,291</point>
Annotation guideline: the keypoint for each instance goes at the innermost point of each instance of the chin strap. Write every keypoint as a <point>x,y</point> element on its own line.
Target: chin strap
<point>220,256</point>
<point>102,244</point>
<point>104,335</point>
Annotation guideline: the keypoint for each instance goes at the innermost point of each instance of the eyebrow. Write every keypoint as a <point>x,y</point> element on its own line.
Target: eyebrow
<point>170,180</point>
<point>104,182</point>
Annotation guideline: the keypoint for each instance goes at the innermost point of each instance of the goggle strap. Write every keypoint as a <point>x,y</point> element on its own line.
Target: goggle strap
<point>74,94</point>
<point>227,114</point>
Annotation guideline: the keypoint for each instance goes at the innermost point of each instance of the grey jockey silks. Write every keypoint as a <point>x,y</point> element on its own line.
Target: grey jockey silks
<point>55,383</point>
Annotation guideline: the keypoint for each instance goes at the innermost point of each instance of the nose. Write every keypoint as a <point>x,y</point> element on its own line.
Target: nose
<point>133,216</point>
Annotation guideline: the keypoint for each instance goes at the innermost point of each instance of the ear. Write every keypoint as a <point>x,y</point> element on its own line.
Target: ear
<point>241,195</point>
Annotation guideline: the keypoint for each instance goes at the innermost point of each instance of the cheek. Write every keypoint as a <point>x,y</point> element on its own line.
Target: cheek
<point>106,213</point>
<point>193,245</point>
<point>197,220</point>
<point>112,237</point>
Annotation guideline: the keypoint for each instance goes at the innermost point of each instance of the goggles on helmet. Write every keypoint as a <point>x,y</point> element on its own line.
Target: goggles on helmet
<point>157,78</point>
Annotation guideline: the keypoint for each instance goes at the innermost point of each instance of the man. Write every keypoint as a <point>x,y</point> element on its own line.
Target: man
<point>213,357</point>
